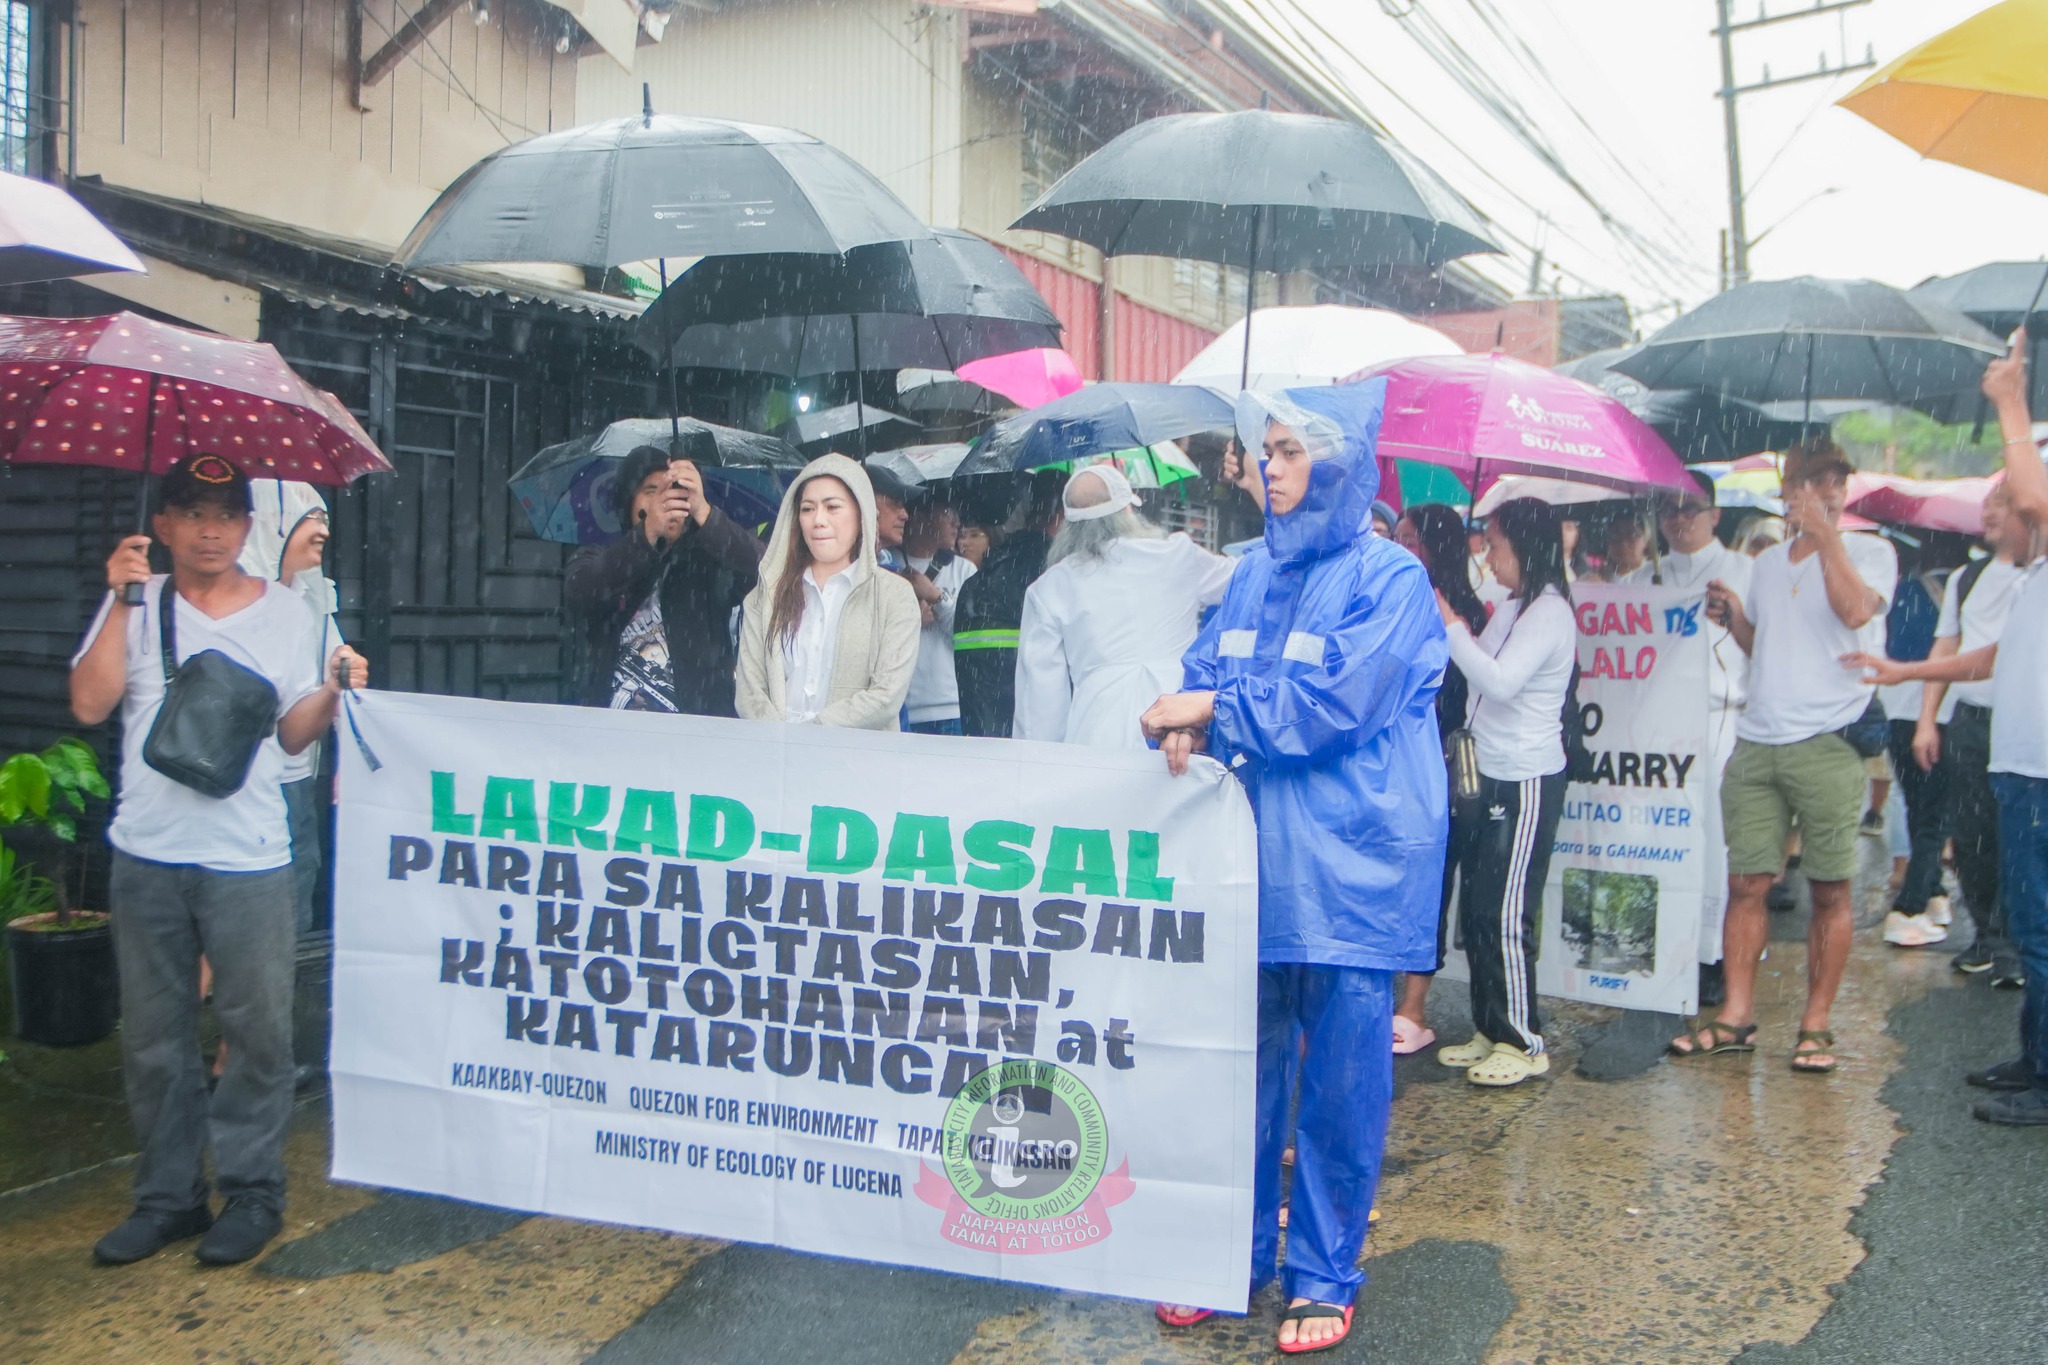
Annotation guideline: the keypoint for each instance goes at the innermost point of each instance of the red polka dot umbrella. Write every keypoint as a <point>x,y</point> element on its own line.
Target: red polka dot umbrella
<point>128,393</point>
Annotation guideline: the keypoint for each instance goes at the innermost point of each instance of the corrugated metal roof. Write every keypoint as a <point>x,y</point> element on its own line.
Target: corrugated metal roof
<point>475,282</point>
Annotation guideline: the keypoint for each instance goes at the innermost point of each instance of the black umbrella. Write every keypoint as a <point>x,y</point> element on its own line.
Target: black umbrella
<point>935,302</point>
<point>817,432</point>
<point>1699,424</point>
<point>2003,296</point>
<point>567,489</point>
<point>1264,191</point>
<point>659,185</point>
<point>656,186</point>
<point>1096,420</point>
<point>1808,338</point>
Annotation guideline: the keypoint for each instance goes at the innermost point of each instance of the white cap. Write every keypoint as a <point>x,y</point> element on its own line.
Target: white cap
<point>1120,494</point>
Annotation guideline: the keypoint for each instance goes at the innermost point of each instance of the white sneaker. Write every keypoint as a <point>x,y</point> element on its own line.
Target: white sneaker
<point>1466,1054</point>
<point>1938,911</point>
<point>1912,931</point>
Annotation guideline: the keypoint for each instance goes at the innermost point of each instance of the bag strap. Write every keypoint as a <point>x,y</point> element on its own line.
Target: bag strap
<point>167,630</point>
<point>1971,572</point>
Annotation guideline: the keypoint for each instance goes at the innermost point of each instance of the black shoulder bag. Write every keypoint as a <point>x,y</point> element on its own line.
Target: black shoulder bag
<point>214,715</point>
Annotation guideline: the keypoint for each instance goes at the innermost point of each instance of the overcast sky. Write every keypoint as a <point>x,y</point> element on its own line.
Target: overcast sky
<point>1642,74</point>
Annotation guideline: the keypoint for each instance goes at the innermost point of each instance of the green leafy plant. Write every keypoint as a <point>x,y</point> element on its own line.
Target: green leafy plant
<point>22,891</point>
<point>49,790</point>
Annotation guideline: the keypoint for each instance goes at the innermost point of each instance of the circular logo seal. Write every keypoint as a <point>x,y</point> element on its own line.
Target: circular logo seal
<point>1024,1140</point>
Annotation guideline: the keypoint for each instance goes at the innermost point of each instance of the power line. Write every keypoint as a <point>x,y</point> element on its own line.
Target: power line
<point>1444,47</point>
<point>1289,28</point>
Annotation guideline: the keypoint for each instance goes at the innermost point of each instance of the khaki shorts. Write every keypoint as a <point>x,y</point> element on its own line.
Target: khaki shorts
<point>1765,786</point>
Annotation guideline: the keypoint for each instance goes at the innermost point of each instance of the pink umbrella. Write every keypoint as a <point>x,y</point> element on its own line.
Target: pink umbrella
<point>1930,504</point>
<point>1482,416</point>
<point>1029,379</point>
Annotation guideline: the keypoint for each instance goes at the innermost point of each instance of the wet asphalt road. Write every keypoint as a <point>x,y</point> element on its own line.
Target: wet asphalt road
<point>1627,1209</point>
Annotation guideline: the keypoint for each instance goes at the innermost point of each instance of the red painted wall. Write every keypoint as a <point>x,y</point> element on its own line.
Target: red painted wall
<point>1150,345</point>
<point>1073,300</point>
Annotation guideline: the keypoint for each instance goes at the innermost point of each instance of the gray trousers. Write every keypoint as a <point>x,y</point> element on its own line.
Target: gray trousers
<point>165,916</point>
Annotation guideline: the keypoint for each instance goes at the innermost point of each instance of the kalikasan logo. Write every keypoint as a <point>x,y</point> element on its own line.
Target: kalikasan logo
<point>1529,410</point>
<point>1025,1146</point>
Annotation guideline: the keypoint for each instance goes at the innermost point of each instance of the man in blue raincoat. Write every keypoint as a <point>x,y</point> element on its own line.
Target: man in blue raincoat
<point>1315,682</point>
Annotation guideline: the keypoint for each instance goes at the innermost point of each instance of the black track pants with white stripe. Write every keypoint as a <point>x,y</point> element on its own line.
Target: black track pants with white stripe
<point>1504,839</point>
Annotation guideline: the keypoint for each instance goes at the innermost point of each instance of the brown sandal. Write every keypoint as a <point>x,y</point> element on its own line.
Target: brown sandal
<point>1823,1042</point>
<point>1713,1038</point>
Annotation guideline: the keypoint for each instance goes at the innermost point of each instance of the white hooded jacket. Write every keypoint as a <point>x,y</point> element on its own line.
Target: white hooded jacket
<point>875,650</point>
<point>278,506</point>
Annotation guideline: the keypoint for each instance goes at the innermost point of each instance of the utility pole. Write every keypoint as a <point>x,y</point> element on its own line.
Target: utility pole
<point>1738,233</point>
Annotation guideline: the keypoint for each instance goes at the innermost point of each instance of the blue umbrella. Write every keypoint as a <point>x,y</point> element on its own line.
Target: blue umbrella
<point>567,490</point>
<point>1098,420</point>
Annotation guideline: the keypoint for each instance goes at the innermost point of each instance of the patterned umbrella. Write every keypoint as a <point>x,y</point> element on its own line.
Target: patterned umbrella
<point>103,391</point>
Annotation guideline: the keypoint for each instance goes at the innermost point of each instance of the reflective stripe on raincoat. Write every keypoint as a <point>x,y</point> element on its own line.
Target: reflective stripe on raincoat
<point>1325,658</point>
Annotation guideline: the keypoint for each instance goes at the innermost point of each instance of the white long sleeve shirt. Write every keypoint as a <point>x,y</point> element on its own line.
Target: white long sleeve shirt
<point>1101,638</point>
<point>1519,670</point>
<point>807,658</point>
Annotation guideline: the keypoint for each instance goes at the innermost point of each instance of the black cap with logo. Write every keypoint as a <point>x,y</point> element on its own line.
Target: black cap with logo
<point>204,478</point>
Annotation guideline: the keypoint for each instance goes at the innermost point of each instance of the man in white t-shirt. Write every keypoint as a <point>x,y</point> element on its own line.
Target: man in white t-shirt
<point>1811,601</point>
<point>2017,666</point>
<point>1696,558</point>
<point>194,873</point>
<point>936,573</point>
<point>1954,731</point>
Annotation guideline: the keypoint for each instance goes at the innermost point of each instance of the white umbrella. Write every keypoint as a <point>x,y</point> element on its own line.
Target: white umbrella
<point>1301,347</point>
<point>1556,492</point>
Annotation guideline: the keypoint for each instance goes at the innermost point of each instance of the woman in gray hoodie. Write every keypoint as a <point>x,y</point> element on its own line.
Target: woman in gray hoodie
<point>826,637</point>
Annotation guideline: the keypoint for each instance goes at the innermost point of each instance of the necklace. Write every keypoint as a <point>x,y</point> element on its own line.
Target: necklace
<point>1799,572</point>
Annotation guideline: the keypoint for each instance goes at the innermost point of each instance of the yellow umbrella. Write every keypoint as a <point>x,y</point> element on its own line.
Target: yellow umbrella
<point>1975,96</point>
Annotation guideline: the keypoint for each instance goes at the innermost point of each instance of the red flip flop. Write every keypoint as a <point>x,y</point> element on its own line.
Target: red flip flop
<point>1315,1310</point>
<point>1174,1316</point>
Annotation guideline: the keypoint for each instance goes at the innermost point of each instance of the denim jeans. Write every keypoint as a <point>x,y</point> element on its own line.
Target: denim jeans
<point>2023,885</point>
<point>165,916</point>
<point>948,726</point>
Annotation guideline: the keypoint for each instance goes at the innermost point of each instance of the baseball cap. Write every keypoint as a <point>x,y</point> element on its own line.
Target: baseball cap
<point>203,478</point>
<point>888,484</point>
<point>1113,480</point>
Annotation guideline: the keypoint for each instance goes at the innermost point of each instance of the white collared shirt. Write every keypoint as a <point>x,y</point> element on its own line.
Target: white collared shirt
<point>807,658</point>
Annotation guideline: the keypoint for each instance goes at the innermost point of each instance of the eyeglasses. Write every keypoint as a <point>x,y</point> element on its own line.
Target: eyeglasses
<point>1684,509</point>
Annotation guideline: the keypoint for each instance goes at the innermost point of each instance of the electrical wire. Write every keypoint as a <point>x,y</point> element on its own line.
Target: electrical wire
<point>1471,75</point>
<point>1672,271</point>
<point>1288,29</point>
<point>495,118</point>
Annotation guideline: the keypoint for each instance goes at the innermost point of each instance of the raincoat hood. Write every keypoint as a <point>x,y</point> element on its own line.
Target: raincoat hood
<point>848,472</point>
<point>1340,427</point>
<point>279,507</point>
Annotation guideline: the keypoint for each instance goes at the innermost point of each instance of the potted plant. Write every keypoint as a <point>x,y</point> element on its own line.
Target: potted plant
<point>61,959</point>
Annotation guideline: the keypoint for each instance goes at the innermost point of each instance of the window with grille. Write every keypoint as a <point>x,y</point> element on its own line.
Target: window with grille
<point>17,90</point>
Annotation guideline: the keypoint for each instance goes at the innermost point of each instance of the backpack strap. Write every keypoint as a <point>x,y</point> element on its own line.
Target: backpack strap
<point>167,630</point>
<point>1967,583</point>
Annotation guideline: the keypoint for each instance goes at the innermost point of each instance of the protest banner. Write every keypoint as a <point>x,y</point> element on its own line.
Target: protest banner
<point>979,1006</point>
<point>1621,910</point>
